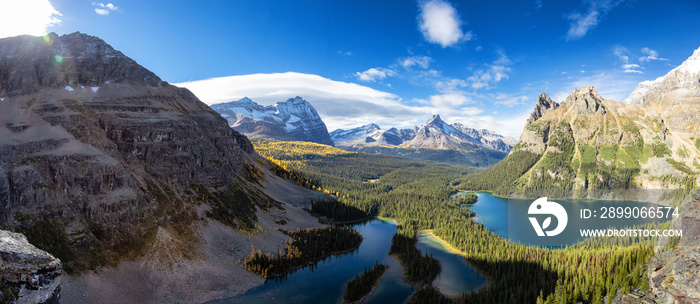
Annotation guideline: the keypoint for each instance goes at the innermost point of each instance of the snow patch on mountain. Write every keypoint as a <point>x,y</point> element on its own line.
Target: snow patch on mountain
<point>435,133</point>
<point>292,119</point>
<point>682,80</point>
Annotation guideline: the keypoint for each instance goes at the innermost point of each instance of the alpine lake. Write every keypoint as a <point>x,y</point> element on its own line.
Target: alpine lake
<point>324,281</point>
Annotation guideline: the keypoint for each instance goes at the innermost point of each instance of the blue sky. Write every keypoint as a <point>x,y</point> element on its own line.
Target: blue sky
<point>481,63</point>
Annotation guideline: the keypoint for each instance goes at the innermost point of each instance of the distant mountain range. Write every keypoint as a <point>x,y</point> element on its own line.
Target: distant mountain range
<point>436,140</point>
<point>295,119</point>
<point>291,120</point>
<point>435,133</point>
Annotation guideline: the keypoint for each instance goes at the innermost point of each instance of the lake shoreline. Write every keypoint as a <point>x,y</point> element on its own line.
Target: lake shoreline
<point>447,245</point>
<point>453,250</point>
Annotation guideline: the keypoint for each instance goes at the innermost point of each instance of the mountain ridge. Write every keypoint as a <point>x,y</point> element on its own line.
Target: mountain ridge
<point>674,96</point>
<point>435,140</point>
<point>290,120</point>
<point>421,136</point>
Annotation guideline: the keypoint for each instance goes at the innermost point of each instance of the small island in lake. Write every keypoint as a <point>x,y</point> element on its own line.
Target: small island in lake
<point>361,286</point>
<point>466,199</point>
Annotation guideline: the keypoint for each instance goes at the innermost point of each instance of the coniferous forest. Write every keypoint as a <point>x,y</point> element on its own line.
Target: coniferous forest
<point>309,245</point>
<point>362,285</point>
<point>416,194</point>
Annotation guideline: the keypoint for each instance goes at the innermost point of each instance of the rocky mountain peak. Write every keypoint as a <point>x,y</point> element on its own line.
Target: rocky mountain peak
<point>291,119</point>
<point>683,81</point>
<point>435,121</point>
<point>245,100</point>
<point>245,103</point>
<point>692,64</point>
<point>543,104</point>
<point>586,101</point>
<point>371,127</point>
<point>586,92</point>
<point>297,99</point>
<point>120,137</point>
<point>30,64</point>
<point>296,106</point>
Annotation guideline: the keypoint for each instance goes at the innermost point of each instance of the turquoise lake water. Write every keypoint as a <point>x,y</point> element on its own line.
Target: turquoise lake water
<point>325,282</point>
<point>509,218</point>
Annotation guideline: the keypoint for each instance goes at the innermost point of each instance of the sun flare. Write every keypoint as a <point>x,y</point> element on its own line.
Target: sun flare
<point>33,17</point>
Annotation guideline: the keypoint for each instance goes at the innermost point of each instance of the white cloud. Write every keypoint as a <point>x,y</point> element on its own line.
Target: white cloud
<point>340,104</point>
<point>30,17</point>
<point>495,72</point>
<point>347,105</point>
<point>508,100</point>
<point>421,61</point>
<point>623,55</point>
<point>440,23</point>
<point>650,55</point>
<point>613,85</point>
<point>582,22</point>
<point>449,100</point>
<point>632,68</point>
<point>374,74</point>
<point>345,53</point>
<point>506,125</point>
<point>450,85</point>
<point>104,9</point>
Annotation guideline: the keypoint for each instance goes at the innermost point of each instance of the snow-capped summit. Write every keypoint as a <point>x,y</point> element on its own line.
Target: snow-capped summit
<point>679,89</point>
<point>289,120</point>
<point>364,135</point>
<point>692,64</point>
<point>435,133</point>
<point>684,77</point>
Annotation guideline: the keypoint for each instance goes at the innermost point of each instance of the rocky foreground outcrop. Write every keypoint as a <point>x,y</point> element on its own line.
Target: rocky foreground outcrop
<point>27,274</point>
<point>674,275</point>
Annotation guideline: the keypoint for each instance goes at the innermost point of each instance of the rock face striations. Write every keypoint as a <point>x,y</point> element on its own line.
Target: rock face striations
<point>291,120</point>
<point>97,152</point>
<point>104,164</point>
<point>31,64</point>
<point>29,275</point>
